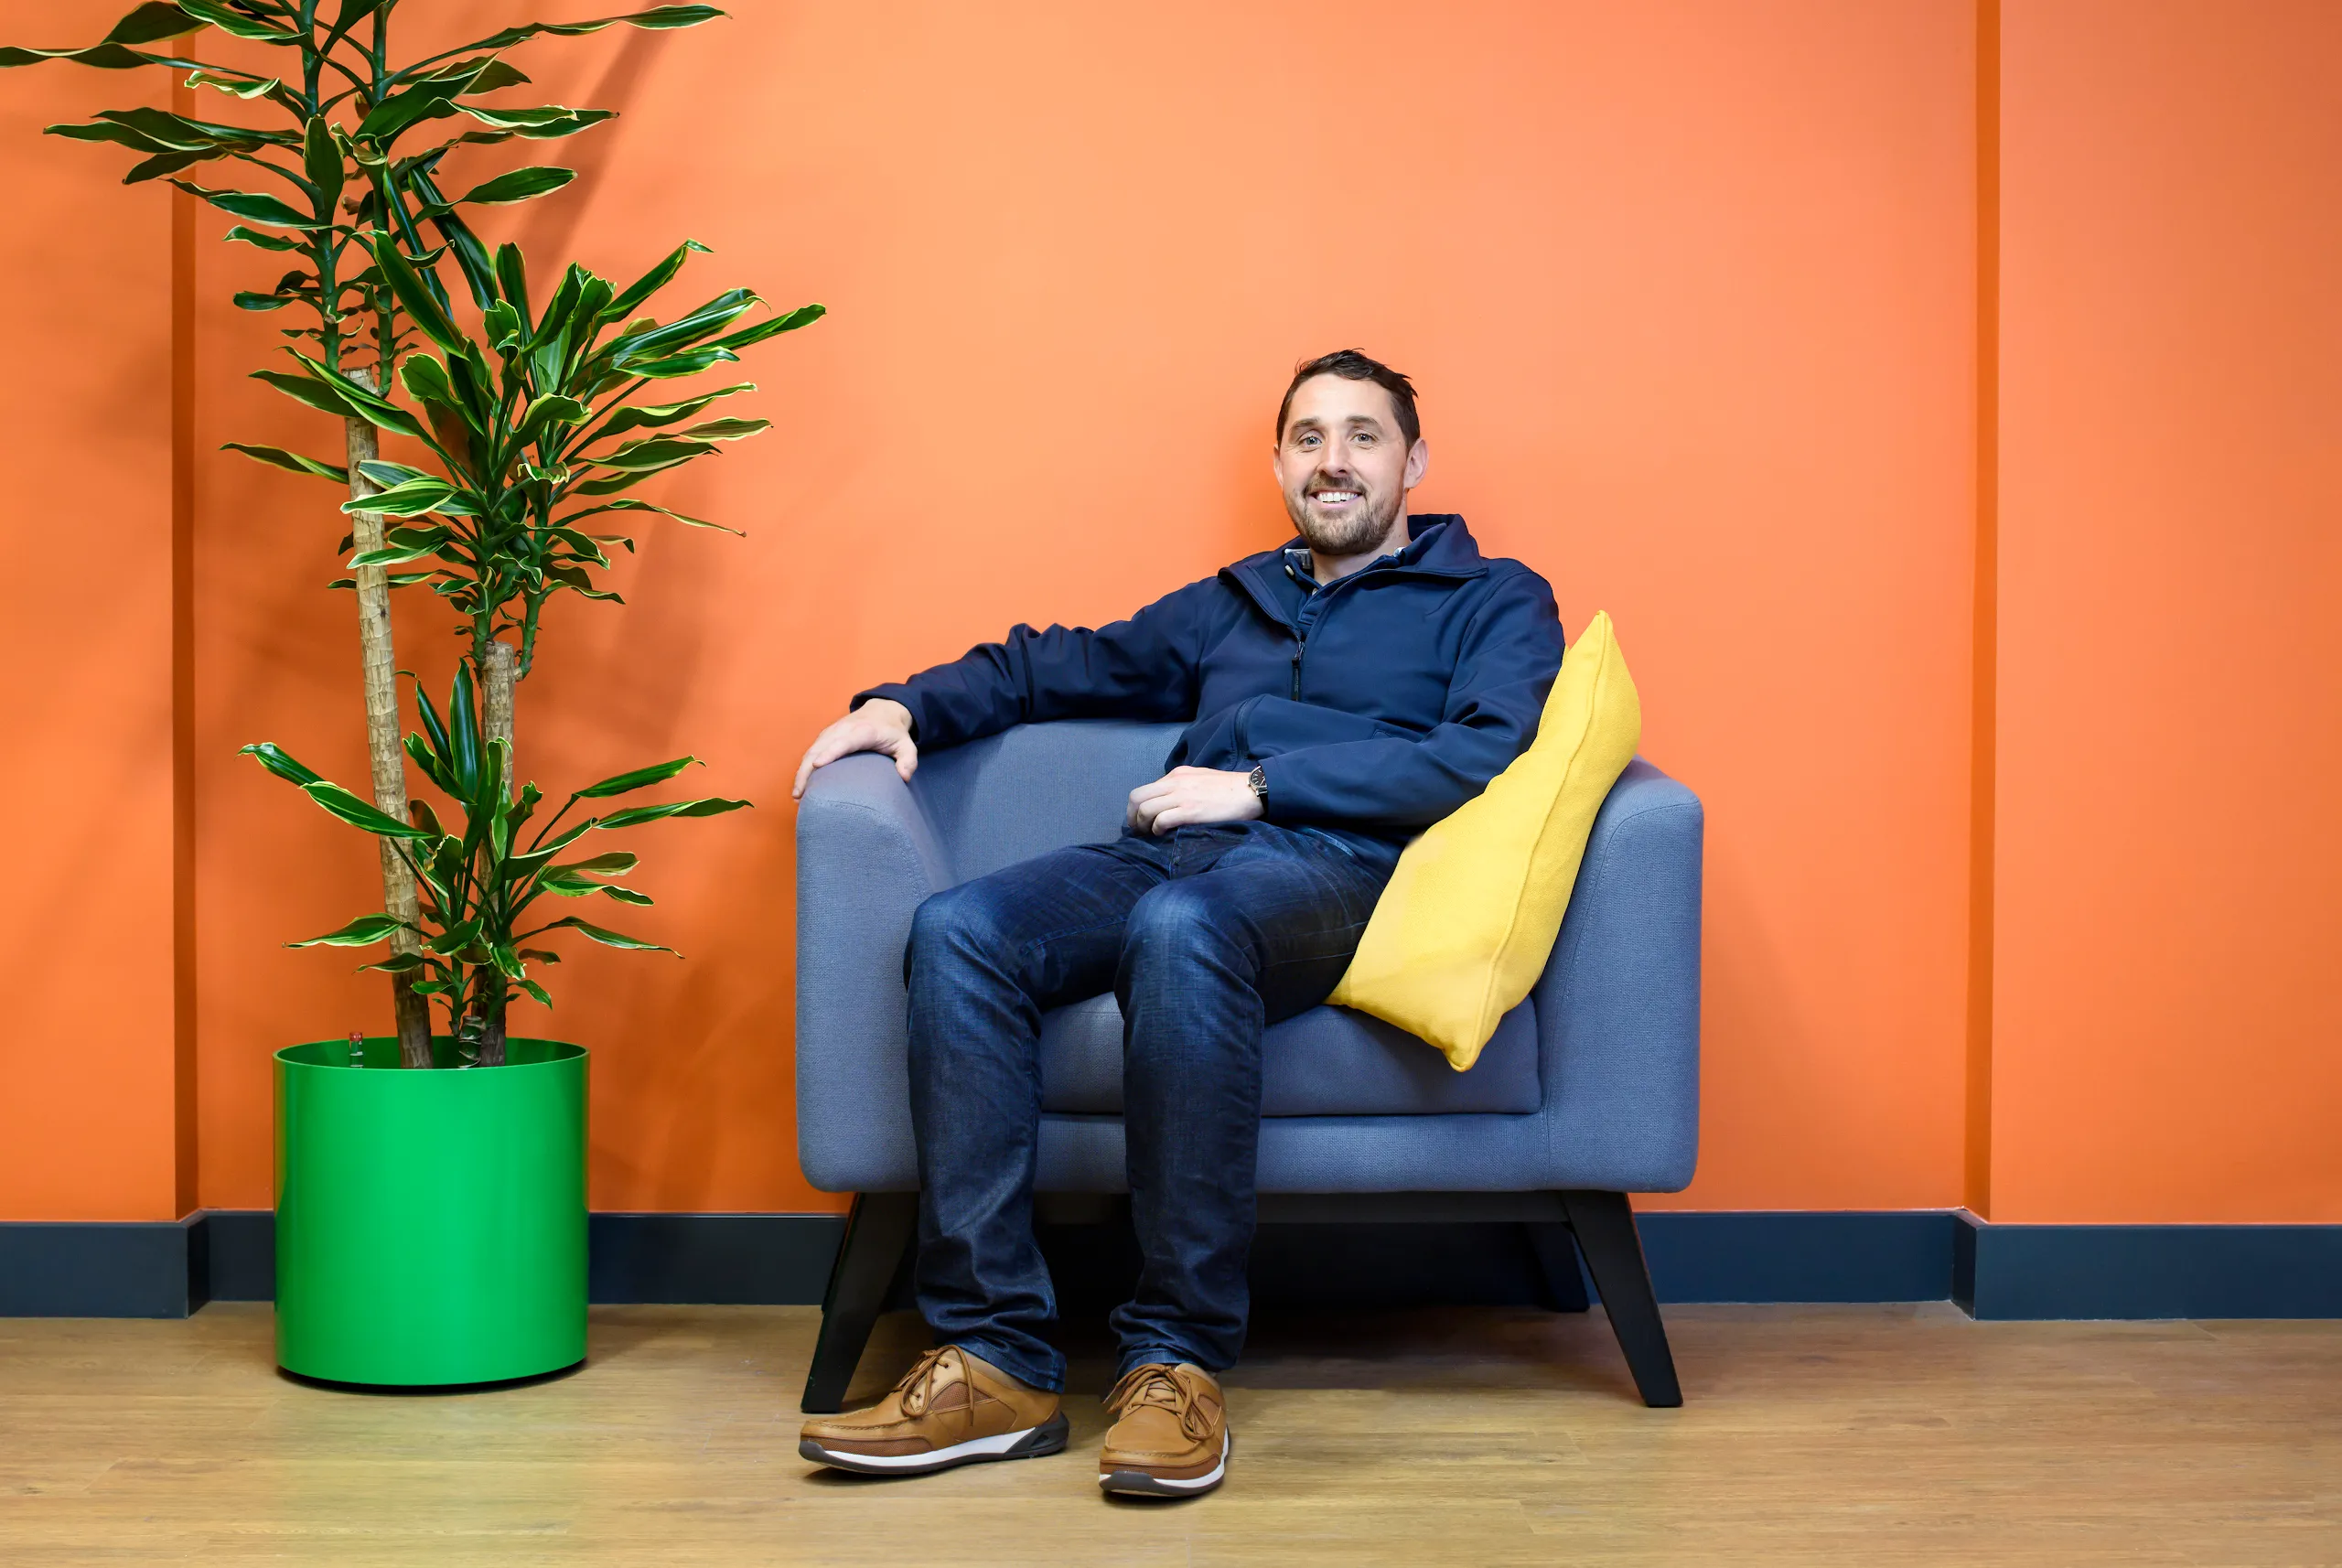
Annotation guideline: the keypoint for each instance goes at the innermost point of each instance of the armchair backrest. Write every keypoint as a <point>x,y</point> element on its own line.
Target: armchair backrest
<point>1035,787</point>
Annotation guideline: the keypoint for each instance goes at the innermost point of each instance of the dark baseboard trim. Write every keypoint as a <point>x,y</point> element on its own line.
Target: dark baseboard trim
<point>1320,1253</point>
<point>2153,1271</point>
<point>1890,1255</point>
<point>70,1269</point>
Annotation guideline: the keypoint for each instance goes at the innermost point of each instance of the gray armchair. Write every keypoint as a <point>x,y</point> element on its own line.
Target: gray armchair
<point>1589,1090</point>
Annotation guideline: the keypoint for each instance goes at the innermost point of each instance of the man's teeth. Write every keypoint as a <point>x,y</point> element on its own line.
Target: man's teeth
<point>1335,498</point>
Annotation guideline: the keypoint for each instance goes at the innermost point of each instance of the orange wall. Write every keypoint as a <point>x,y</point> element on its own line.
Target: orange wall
<point>2170,855</point>
<point>86,1079</point>
<point>1691,291</point>
<point>1689,294</point>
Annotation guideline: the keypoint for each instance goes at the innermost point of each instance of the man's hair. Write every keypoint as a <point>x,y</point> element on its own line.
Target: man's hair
<point>1356,365</point>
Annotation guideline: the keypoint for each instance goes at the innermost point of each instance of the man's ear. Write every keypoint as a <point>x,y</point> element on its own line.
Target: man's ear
<point>1418,462</point>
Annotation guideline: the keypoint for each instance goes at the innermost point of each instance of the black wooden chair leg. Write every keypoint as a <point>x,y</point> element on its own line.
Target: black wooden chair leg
<point>1605,1224</point>
<point>880,1231</point>
<point>1557,1260</point>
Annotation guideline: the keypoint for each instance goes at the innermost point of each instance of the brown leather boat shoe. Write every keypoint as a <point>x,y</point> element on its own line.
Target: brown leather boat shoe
<point>950,1408</point>
<point>1170,1434</point>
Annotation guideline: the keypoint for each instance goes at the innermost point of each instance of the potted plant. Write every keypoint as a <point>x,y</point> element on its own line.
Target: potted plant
<point>432,1223</point>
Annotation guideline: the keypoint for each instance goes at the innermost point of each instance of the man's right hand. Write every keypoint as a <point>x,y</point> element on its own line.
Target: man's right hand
<point>879,724</point>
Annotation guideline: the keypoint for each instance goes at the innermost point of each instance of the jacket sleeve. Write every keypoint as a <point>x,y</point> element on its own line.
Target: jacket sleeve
<point>1142,667</point>
<point>1511,652</point>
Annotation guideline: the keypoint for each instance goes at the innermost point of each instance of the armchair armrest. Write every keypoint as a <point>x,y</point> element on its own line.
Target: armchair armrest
<point>866,857</point>
<point>1618,1005</point>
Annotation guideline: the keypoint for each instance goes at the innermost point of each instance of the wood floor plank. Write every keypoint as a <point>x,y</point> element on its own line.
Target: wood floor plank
<point>1876,1436</point>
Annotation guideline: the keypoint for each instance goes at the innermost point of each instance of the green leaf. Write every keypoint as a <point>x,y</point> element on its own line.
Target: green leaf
<point>498,74</point>
<point>651,283</point>
<point>321,161</point>
<point>291,462</point>
<point>383,476</point>
<point>235,23</point>
<point>100,56</point>
<point>463,731</point>
<point>512,278</point>
<point>651,454</point>
<point>520,185</point>
<point>650,342</point>
<point>657,17</point>
<point>725,429</point>
<point>400,110</point>
<point>273,757</point>
<point>235,84</point>
<point>251,205</point>
<point>162,164</point>
<point>646,416</point>
<point>363,931</point>
<point>625,895</point>
<point>415,498</point>
<point>536,990</point>
<point>425,379</point>
<point>429,761</point>
<point>803,315</point>
<point>506,331</point>
<point>361,404</point>
<point>609,939</point>
<point>304,389</point>
<point>156,20</point>
<point>455,937</point>
<point>341,803</point>
<point>547,410</point>
<point>677,365</point>
<point>265,241</point>
<point>641,778</point>
<point>615,863</point>
<point>538,124</point>
<point>631,504</point>
<point>634,816</point>
<point>397,963</point>
<point>414,297</point>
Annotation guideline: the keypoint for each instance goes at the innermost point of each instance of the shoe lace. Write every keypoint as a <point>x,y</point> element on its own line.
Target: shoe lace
<point>918,1387</point>
<point>1159,1385</point>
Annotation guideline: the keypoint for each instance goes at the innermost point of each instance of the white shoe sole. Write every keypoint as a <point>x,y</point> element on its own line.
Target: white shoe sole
<point>1033,1441</point>
<point>1145,1484</point>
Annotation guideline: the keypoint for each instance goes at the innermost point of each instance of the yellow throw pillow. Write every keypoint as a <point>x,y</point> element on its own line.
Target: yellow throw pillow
<point>1469,920</point>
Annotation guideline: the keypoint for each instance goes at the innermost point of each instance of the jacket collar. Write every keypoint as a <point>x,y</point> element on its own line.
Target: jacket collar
<point>1438,546</point>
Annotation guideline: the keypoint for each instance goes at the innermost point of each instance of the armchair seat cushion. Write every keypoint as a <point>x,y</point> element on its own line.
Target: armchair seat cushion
<point>1328,1061</point>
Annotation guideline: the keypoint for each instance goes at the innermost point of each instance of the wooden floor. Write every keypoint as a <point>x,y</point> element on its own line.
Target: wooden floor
<point>1870,1436</point>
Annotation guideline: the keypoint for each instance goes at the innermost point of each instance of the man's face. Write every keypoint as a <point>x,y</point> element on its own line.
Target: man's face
<point>1344,464</point>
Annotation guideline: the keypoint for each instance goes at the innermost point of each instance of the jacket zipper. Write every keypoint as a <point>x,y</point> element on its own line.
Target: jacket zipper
<point>1300,645</point>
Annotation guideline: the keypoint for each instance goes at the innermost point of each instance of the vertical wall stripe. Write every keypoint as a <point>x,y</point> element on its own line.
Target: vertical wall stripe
<point>1984,676</point>
<point>186,1169</point>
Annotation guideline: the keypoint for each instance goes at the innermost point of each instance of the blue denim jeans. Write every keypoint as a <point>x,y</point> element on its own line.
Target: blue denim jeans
<point>1206,935</point>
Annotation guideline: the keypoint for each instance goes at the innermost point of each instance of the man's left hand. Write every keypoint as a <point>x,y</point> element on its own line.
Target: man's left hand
<point>1187,796</point>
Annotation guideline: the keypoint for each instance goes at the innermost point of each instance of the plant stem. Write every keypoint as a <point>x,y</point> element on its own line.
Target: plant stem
<point>378,665</point>
<point>497,677</point>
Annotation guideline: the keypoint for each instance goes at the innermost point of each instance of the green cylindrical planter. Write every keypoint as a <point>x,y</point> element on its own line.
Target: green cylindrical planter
<point>430,1226</point>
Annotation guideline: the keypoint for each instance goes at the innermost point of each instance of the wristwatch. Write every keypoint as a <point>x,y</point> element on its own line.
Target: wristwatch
<point>1260,782</point>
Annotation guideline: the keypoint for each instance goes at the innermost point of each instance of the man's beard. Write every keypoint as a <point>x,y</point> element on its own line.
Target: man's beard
<point>1355,530</point>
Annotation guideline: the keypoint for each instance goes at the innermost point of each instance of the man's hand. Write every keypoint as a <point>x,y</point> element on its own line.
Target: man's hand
<point>879,724</point>
<point>1185,796</point>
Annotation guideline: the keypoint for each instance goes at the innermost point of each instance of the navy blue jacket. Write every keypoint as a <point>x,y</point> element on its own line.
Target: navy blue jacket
<point>1379,702</point>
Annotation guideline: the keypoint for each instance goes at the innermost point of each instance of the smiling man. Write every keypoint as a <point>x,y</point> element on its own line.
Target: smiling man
<point>1341,693</point>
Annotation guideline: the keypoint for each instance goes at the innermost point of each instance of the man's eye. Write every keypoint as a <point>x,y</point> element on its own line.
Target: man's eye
<point>1363,438</point>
